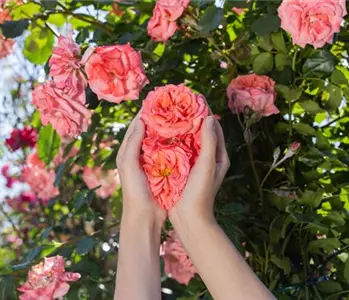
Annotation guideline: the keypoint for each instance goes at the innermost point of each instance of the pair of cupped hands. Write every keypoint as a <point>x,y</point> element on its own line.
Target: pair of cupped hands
<point>203,183</point>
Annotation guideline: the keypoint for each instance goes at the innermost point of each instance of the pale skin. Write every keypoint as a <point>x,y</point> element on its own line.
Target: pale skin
<point>221,267</point>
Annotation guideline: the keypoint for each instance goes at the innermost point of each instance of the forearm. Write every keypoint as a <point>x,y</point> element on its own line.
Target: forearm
<point>220,265</point>
<point>138,271</point>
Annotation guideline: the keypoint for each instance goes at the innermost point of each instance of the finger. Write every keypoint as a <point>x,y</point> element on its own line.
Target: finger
<point>134,144</point>
<point>222,157</point>
<point>126,137</point>
<point>207,155</point>
<point>221,153</point>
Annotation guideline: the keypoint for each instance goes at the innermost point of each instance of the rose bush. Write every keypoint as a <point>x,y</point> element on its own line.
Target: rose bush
<point>273,73</point>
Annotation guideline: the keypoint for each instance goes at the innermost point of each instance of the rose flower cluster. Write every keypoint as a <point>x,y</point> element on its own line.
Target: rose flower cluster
<point>115,73</point>
<point>173,116</point>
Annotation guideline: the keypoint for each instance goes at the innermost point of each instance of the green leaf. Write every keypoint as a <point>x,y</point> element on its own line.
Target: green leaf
<point>12,29</point>
<point>335,96</point>
<point>263,63</point>
<point>321,64</point>
<point>322,142</point>
<point>278,41</point>
<point>33,254</point>
<point>289,94</point>
<point>49,4</point>
<point>46,233</point>
<point>328,244</point>
<point>311,107</point>
<point>25,10</point>
<point>211,19</point>
<point>329,287</point>
<point>7,288</point>
<point>281,61</point>
<point>311,198</point>
<point>304,129</point>
<point>105,1</point>
<point>238,3</point>
<point>266,24</point>
<point>38,45</point>
<point>48,144</point>
<point>284,263</point>
<point>84,245</point>
<point>346,270</point>
<point>338,78</point>
<point>57,19</point>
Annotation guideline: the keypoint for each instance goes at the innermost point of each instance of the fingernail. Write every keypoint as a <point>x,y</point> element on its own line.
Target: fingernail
<point>210,122</point>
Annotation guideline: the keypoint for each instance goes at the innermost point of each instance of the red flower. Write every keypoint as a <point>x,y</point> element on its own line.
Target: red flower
<point>9,179</point>
<point>21,138</point>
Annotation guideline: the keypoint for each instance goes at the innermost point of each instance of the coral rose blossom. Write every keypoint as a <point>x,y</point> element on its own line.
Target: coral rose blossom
<point>20,138</point>
<point>107,180</point>
<point>47,280</point>
<point>41,182</point>
<point>252,91</point>
<point>115,73</point>
<point>312,22</point>
<point>172,9</point>
<point>65,65</point>
<point>66,113</point>
<point>167,171</point>
<point>162,25</point>
<point>189,142</point>
<point>176,262</point>
<point>5,46</point>
<point>159,29</point>
<point>174,110</point>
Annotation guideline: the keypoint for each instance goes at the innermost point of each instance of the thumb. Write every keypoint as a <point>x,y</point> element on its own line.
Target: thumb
<point>134,144</point>
<point>208,142</point>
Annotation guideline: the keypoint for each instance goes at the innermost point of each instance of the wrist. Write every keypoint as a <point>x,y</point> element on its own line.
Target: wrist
<point>140,222</point>
<point>193,220</point>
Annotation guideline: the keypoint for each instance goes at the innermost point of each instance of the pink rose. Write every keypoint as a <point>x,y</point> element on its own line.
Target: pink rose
<point>172,9</point>
<point>160,29</point>
<point>41,182</point>
<point>177,264</point>
<point>47,280</point>
<point>252,91</point>
<point>66,113</point>
<point>167,171</point>
<point>5,46</point>
<point>174,110</point>
<point>238,11</point>
<point>162,25</point>
<point>312,22</point>
<point>65,66</point>
<point>115,73</point>
<point>108,181</point>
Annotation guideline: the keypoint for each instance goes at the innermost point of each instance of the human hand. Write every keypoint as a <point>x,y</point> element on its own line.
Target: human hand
<point>137,197</point>
<point>205,177</point>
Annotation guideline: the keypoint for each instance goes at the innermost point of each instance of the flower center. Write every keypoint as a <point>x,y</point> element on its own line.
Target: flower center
<point>166,172</point>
